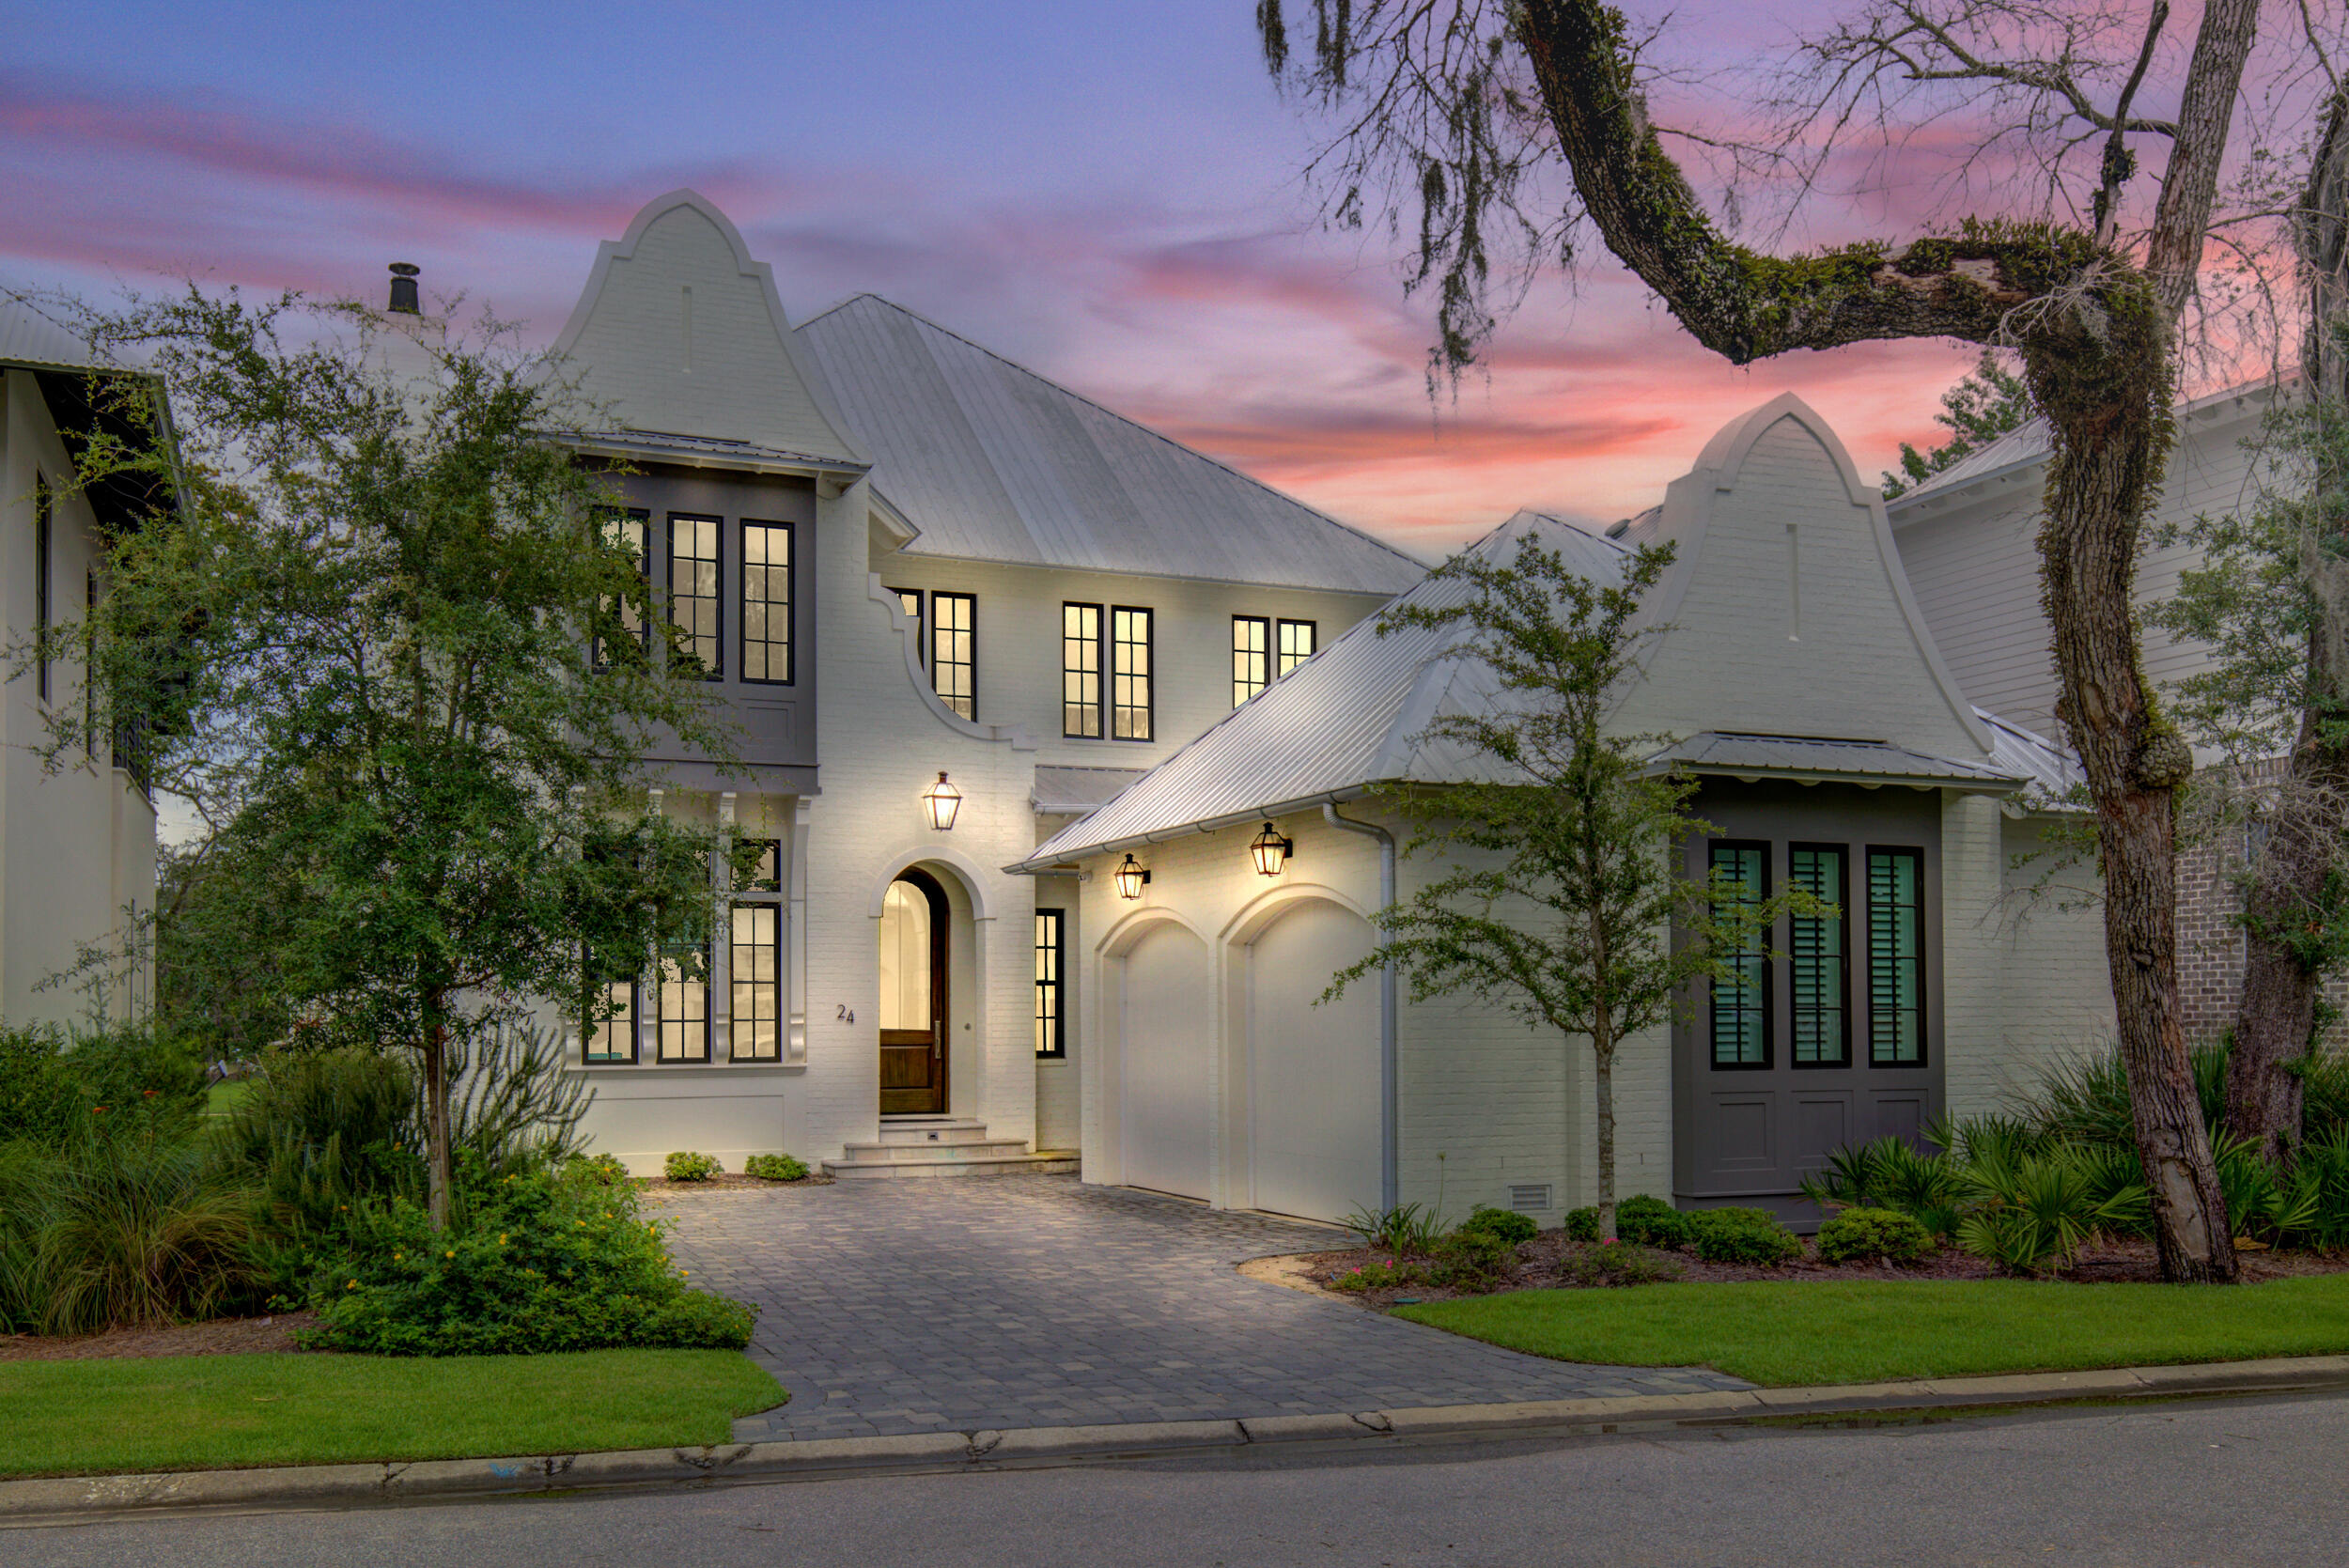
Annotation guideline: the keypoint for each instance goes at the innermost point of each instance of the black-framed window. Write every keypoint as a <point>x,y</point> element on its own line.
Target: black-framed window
<point>693,589</point>
<point>1297,644</point>
<point>1050,1037</point>
<point>754,977</point>
<point>629,532</point>
<point>767,874</point>
<point>44,512</point>
<point>955,650</point>
<point>1252,656</point>
<point>1080,671</point>
<point>612,1039</point>
<point>1129,673</point>
<point>1896,957</point>
<point>682,1031</point>
<point>766,619</point>
<point>910,603</point>
<point>1818,961</point>
<point>1740,1009</point>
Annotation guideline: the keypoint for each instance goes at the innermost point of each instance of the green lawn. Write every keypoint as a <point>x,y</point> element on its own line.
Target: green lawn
<point>228,1412</point>
<point>1796,1332</point>
<point>221,1099</point>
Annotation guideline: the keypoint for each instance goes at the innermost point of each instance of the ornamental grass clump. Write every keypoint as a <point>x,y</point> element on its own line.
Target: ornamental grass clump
<point>529,1262</point>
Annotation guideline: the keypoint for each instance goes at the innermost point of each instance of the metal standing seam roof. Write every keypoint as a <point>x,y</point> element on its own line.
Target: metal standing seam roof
<point>31,336</point>
<point>1805,757</point>
<point>992,462</point>
<point>1345,719</point>
<point>668,446</point>
<point>1059,791</point>
<point>2050,773</point>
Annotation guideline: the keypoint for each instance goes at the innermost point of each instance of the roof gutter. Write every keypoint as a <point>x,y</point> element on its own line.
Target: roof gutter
<point>1040,865</point>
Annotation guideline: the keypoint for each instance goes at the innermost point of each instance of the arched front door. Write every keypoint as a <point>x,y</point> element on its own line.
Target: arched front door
<point>913,996</point>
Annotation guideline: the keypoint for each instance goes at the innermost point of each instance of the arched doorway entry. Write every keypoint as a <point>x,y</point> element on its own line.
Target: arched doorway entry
<point>913,1011</point>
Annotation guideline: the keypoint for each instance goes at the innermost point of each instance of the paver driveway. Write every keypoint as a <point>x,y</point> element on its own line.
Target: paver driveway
<point>961,1305</point>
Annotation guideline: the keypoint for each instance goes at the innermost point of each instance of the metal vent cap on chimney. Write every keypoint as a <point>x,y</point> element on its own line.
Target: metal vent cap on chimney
<point>404,289</point>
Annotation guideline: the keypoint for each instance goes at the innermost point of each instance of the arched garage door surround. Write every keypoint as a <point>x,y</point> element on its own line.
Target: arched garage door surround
<point>1164,1089</point>
<point>1306,1084</point>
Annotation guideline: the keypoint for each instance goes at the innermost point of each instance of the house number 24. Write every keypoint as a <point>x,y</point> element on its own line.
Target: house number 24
<point>846,1016</point>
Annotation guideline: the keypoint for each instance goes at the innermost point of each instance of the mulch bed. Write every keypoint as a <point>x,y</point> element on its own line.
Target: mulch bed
<point>1538,1268</point>
<point>728,1180</point>
<point>231,1336</point>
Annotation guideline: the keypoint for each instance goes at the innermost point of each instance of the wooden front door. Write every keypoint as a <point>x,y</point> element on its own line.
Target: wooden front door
<point>913,996</point>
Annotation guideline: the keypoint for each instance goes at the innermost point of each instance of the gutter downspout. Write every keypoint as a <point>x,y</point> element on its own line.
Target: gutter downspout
<point>1390,1139</point>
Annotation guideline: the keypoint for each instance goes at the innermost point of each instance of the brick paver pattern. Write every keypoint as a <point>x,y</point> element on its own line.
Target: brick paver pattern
<point>962,1305</point>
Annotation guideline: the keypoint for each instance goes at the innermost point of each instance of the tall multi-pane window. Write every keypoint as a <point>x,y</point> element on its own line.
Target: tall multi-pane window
<point>754,959</point>
<point>1080,670</point>
<point>43,512</point>
<point>765,601</point>
<point>1050,1040</point>
<point>1740,1004</point>
<point>693,589</point>
<point>626,533</point>
<point>1818,961</point>
<point>1129,674</point>
<point>954,651</point>
<point>684,1025</point>
<point>613,1038</point>
<point>1252,656</point>
<point>1896,957</point>
<point>1297,644</point>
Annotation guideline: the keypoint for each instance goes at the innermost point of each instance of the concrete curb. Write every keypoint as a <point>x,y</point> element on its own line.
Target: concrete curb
<point>55,1500</point>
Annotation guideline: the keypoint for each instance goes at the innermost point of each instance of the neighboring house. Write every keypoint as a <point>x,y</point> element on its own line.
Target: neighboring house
<point>903,556</point>
<point>1968,537</point>
<point>1835,748</point>
<point>77,844</point>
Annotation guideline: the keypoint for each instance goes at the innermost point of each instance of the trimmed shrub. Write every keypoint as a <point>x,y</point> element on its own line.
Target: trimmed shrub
<point>1741,1236</point>
<point>1649,1222</point>
<point>1859,1234</point>
<point>1582,1224</point>
<point>532,1262</point>
<point>602,1170</point>
<point>1619,1262</point>
<point>1506,1225</point>
<point>775,1167</point>
<point>684,1165</point>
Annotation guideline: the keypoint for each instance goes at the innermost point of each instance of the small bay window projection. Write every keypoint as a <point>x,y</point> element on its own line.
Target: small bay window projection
<point>621,622</point>
<point>1818,961</point>
<point>1297,644</point>
<point>1080,671</point>
<point>1252,656</point>
<point>694,590</point>
<point>767,601</point>
<point>1740,1004</point>
<point>1896,957</point>
<point>954,651</point>
<point>684,1023</point>
<point>1129,674</point>
<point>1050,1041</point>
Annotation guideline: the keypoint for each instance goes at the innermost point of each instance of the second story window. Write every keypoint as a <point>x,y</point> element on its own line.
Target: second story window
<point>1252,656</point>
<point>1080,671</point>
<point>694,590</point>
<point>1129,674</point>
<point>1297,644</point>
<point>765,601</point>
<point>619,621</point>
<point>954,651</point>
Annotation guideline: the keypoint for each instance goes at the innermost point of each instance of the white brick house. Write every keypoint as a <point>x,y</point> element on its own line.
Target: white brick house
<point>907,556</point>
<point>1833,747</point>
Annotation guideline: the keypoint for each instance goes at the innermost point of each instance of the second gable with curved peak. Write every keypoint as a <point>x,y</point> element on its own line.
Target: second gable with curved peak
<point>1788,611</point>
<point>680,331</point>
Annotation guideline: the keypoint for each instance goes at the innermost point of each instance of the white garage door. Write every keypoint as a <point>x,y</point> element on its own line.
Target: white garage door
<point>1164,1062</point>
<point>1313,1071</point>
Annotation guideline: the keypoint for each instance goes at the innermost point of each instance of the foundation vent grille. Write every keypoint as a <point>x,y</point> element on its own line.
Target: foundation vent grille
<point>1529,1198</point>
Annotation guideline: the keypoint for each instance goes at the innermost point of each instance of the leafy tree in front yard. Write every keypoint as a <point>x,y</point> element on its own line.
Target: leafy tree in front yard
<point>389,650</point>
<point>1562,901</point>
<point>1987,402</point>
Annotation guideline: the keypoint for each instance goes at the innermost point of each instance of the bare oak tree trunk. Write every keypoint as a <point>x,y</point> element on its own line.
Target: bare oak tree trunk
<point>436,1173</point>
<point>2293,885</point>
<point>2095,332</point>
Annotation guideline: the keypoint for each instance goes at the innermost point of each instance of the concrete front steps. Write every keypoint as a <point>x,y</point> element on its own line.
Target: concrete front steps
<point>932,1146</point>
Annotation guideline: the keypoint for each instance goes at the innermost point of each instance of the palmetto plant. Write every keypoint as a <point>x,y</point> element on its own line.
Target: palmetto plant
<point>2029,1212</point>
<point>1892,1174</point>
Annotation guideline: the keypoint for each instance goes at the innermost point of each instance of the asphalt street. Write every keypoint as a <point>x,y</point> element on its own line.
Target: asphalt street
<point>2231,1481</point>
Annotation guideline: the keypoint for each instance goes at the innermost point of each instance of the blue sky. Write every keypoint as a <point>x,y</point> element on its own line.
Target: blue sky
<point>1107,192</point>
